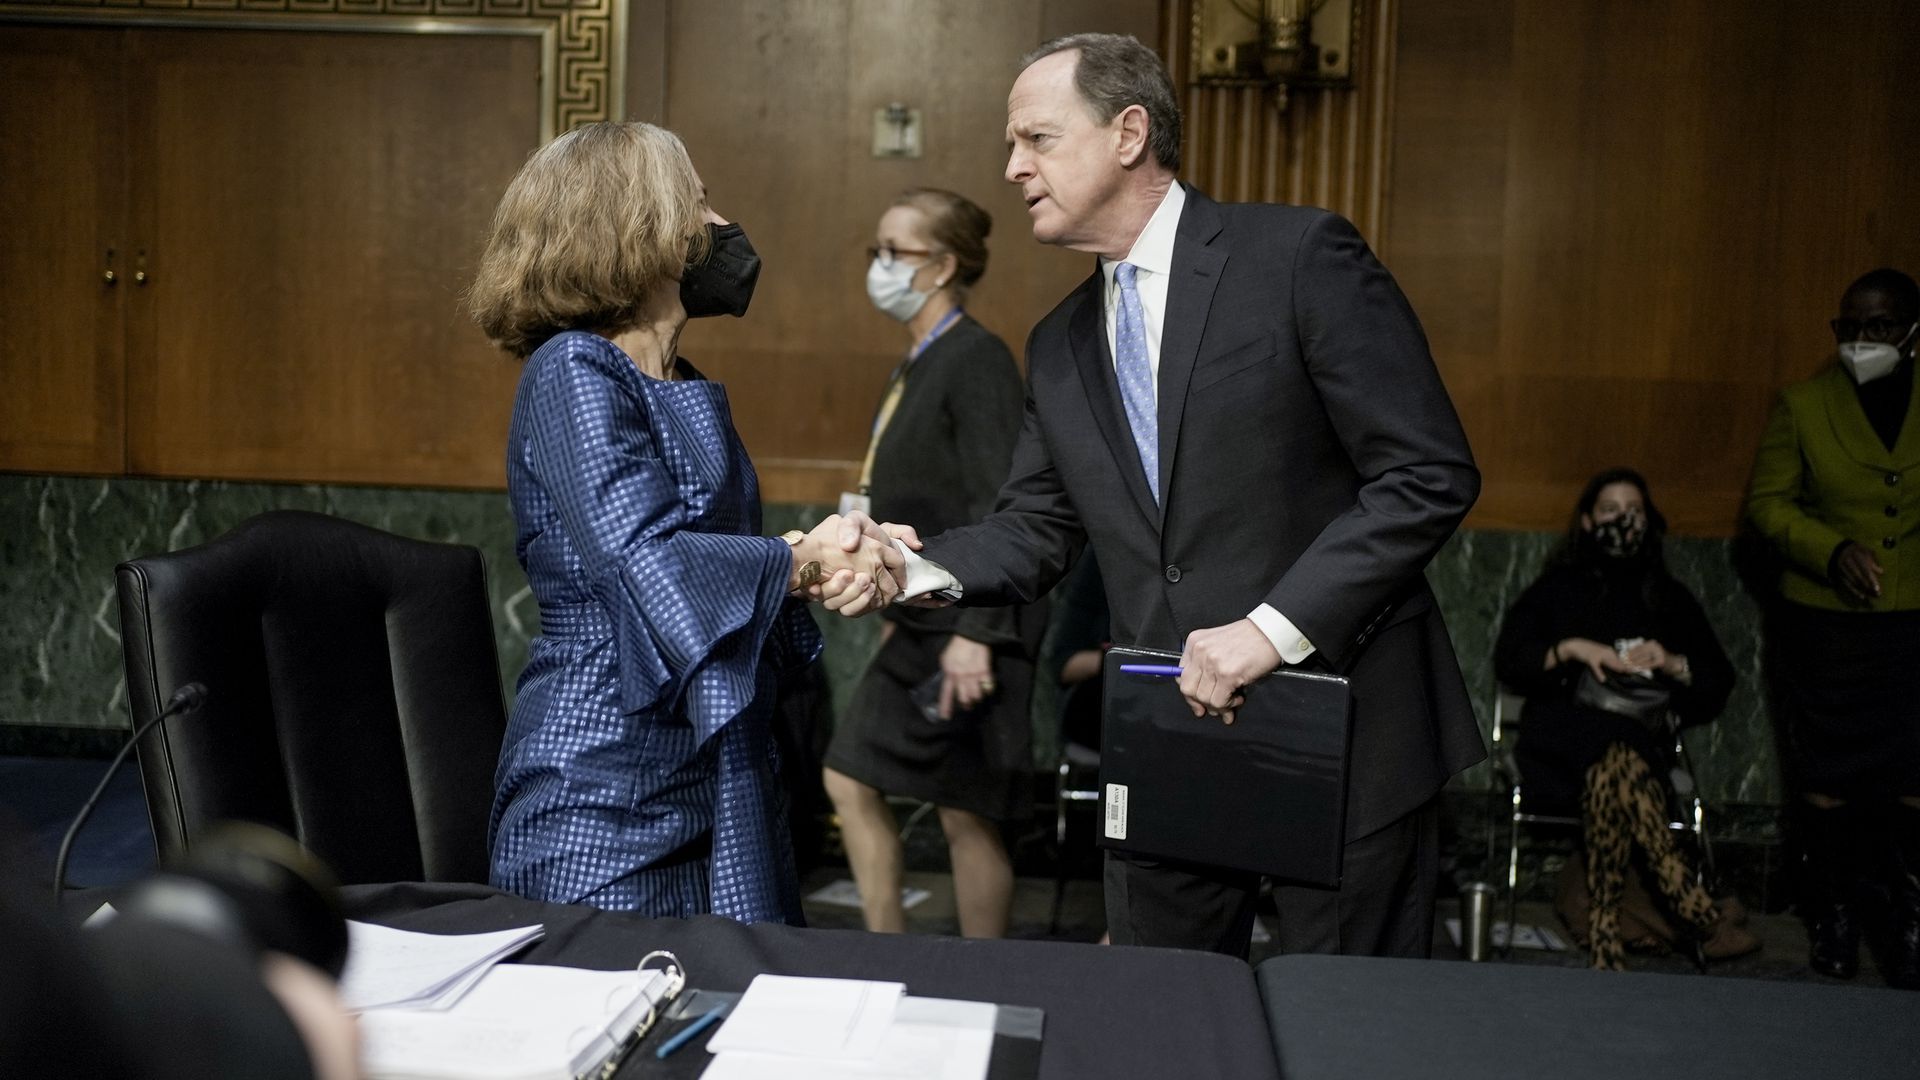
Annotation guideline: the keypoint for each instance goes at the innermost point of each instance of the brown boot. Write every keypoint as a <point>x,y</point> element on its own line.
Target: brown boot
<point>1732,910</point>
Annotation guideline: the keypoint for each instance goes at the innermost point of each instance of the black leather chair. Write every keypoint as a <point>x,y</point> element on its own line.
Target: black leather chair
<point>353,693</point>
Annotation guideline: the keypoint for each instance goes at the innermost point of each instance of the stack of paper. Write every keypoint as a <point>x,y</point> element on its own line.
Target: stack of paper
<point>823,1029</point>
<point>388,968</point>
<point>519,1022</point>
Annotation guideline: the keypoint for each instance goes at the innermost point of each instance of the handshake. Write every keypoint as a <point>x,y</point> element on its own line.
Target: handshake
<point>851,565</point>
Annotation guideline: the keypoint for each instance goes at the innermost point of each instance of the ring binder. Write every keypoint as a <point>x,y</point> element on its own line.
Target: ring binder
<point>676,981</point>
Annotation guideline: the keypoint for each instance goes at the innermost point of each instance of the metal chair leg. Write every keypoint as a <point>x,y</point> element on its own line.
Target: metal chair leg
<point>1513,873</point>
<point>1060,846</point>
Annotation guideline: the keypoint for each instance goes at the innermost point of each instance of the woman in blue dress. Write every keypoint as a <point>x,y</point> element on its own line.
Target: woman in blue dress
<point>637,771</point>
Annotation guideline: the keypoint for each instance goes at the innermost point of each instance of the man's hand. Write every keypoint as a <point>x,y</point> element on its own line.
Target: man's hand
<point>966,668</point>
<point>867,573</point>
<point>1857,573</point>
<point>857,526</point>
<point>1218,663</point>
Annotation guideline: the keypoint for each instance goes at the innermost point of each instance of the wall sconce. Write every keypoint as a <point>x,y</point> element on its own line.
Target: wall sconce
<point>1285,44</point>
<point>897,131</point>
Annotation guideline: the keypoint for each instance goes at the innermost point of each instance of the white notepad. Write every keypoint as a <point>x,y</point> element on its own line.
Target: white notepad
<point>821,1018</point>
<point>928,1039</point>
<point>519,1022</point>
<point>388,968</point>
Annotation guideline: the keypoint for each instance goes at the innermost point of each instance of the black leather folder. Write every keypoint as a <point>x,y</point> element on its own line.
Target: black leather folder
<point>1267,793</point>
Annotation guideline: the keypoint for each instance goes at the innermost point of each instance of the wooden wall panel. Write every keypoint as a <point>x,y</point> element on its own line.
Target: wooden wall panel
<point>63,187</point>
<point>1328,147</point>
<point>1625,226</point>
<point>775,103</point>
<point>312,205</point>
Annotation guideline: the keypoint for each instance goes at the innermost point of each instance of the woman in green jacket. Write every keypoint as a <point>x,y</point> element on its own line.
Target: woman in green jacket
<point>1836,491</point>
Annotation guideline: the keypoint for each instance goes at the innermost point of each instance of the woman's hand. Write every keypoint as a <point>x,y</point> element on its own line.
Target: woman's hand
<point>1653,656</point>
<point>967,667</point>
<point>864,578</point>
<point>1857,573</point>
<point>1599,659</point>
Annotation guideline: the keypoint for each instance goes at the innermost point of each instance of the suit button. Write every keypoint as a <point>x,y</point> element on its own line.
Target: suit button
<point>1887,543</point>
<point>1173,574</point>
<point>1893,478</point>
<point>1893,511</point>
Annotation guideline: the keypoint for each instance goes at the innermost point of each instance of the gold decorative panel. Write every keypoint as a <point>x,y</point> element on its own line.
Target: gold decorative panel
<point>584,42</point>
<point>1319,145</point>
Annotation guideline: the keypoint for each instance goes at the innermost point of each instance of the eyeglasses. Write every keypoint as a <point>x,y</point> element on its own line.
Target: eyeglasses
<point>885,254</point>
<point>1879,329</point>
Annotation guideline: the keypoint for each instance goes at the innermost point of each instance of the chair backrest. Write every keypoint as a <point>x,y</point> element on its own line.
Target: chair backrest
<point>353,693</point>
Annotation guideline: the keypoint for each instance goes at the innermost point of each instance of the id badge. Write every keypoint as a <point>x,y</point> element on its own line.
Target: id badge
<point>851,501</point>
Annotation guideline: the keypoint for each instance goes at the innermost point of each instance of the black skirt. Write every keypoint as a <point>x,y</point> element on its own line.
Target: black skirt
<point>1850,684</point>
<point>979,761</point>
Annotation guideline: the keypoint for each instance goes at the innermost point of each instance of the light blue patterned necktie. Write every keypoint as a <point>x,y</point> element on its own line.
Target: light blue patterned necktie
<point>1135,370</point>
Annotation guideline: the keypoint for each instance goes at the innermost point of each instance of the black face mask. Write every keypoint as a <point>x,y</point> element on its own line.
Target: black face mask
<point>723,285</point>
<point>1620,538</point>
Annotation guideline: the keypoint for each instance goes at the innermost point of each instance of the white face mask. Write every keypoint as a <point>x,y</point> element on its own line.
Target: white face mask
<point>891,289</point>
<point>1870,360</point>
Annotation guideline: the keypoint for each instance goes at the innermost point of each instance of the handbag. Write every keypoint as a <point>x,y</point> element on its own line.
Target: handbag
<point>1640,698</point>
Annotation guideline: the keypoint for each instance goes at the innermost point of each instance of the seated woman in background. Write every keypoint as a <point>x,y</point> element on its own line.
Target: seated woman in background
<point>942,713</point>
<point>637,771</point>
<point>1604,646</point>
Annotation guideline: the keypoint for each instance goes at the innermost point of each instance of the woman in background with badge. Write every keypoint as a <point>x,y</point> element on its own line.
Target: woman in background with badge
<point>1606,647</point>
<point>942,713</point>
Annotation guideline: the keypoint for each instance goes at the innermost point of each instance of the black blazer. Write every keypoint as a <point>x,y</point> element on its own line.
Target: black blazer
<point>942,459</point>
<point>1310,459</point>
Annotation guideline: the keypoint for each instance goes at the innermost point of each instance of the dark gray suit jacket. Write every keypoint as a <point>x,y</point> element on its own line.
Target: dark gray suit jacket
<point>1309,457</point>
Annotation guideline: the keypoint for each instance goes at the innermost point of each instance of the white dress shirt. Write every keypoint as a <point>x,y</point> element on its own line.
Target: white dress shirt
<point>1152,258</point>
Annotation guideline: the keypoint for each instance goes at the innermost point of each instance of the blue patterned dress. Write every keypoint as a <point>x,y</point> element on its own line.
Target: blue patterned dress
<point>638,771</point>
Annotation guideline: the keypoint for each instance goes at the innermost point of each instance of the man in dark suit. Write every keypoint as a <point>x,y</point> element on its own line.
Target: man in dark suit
<point>1238,410</point>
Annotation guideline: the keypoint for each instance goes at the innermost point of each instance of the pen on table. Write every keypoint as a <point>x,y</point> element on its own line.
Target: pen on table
<point>691,1031</point>
<point>1165,671</point>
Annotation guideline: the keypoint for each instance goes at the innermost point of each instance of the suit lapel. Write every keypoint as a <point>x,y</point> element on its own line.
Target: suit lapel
<point>1087,332</point>
<point>1190,287</point>
<point>1851,428</point>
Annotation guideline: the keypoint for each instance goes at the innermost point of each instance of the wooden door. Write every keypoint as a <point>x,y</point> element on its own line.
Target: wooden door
<point>62,211</point>
<point>310,207</point>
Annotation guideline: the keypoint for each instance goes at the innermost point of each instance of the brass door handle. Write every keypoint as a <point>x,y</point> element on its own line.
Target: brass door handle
<point>139,277</point>
<point>110,277</point>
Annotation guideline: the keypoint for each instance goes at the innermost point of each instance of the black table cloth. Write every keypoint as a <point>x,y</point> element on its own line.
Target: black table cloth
<point>1434,1020</point>
<point>1111,1012</point>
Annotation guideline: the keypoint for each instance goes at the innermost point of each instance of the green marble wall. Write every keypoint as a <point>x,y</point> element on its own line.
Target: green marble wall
<point>60,538</point>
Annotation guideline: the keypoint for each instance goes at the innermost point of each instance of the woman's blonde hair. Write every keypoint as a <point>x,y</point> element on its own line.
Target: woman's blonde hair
<point>955,224</point>
<point>596,220</point>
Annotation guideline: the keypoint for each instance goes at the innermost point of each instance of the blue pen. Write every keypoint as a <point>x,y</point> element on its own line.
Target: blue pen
<point>688,1033</point>
<point>1165,671</point>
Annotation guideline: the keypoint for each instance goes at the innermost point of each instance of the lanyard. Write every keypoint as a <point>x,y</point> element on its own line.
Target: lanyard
<point>896,387</point>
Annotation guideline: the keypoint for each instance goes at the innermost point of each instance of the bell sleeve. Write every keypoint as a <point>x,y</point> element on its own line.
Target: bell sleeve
<point>691,611</point>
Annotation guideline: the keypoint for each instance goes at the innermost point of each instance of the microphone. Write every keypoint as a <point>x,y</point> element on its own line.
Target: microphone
<point>185,701</point>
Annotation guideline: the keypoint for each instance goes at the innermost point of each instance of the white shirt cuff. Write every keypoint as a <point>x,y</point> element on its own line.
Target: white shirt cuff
<point>925,577</point>
<point>1287,639</point>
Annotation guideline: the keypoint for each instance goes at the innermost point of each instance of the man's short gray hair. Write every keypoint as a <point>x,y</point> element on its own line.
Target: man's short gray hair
<point>1115,71</point>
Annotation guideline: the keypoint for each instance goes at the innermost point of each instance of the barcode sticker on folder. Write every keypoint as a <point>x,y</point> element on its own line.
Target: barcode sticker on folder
<point>1116,811</point>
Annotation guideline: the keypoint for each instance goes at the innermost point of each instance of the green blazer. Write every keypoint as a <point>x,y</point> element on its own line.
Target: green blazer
<point>1823,476</point>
